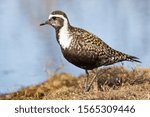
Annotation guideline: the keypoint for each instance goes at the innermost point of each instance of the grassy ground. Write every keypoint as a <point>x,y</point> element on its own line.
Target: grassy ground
<point>113,83</point>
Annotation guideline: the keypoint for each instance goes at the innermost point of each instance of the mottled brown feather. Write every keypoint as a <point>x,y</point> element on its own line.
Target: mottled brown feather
<point>88,51</point>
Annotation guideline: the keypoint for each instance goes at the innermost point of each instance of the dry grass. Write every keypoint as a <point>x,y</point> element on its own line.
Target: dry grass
<point>113,83</point>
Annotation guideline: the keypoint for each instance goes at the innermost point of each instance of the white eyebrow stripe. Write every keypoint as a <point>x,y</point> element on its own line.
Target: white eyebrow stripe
<point>61,16</point>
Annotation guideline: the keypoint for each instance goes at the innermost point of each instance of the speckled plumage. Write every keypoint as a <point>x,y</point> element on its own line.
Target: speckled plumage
<point>83,49</point>
<point>87,51</point>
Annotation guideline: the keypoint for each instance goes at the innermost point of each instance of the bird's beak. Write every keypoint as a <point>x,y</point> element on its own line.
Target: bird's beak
<point>45,23</point>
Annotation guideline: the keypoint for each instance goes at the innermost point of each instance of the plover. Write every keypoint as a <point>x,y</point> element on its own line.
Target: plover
<point>82,48</point>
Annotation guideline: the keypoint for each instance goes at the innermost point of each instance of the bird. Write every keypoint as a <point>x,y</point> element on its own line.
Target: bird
<point>82,48</point>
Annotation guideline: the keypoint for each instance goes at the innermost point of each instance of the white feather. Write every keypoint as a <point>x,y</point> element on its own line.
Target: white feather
<point>64,37</point>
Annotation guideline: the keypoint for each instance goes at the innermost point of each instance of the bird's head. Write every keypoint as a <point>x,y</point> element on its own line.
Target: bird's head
<point>57,19</point>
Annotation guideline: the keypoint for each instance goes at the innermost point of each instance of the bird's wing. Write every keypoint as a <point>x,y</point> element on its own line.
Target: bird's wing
<point>94,48</point>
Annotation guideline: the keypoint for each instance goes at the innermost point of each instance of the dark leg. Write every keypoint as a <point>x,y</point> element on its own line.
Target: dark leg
<point>86,80</point>
<point>89,86</point>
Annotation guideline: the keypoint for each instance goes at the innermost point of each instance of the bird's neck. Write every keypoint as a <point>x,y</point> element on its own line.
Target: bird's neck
<point>63,36</point>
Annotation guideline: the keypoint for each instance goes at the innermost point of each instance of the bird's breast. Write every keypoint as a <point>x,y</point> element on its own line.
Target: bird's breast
<point>64,38</point>
<point>78,57</point>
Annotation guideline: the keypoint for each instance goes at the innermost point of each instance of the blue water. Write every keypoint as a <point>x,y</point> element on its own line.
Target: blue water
<point>29,54</point>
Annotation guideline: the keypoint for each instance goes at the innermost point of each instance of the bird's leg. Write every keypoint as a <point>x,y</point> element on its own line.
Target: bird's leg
<point>86,79</point>
<point>94,78</point>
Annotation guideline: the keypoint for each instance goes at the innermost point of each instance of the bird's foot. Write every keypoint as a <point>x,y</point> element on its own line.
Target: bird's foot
<point>87,88</point>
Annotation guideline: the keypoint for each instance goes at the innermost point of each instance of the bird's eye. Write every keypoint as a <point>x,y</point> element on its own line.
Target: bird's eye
<point>54,18</point>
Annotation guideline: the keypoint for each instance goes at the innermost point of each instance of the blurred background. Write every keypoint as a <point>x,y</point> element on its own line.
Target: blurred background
<point>29,54</point>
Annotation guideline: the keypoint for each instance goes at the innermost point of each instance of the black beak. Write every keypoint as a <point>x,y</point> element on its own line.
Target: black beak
<point>42,24</point>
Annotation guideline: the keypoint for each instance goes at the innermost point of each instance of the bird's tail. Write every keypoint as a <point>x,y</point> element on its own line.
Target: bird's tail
<point>133,59</point>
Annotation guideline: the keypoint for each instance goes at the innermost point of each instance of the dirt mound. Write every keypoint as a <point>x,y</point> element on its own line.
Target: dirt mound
<point>113,83</point>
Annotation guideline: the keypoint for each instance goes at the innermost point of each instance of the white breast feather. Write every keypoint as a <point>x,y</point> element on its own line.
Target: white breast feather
<point>64,37</point>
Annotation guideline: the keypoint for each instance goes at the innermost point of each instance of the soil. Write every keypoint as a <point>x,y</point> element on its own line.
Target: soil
<point>113,83</point>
